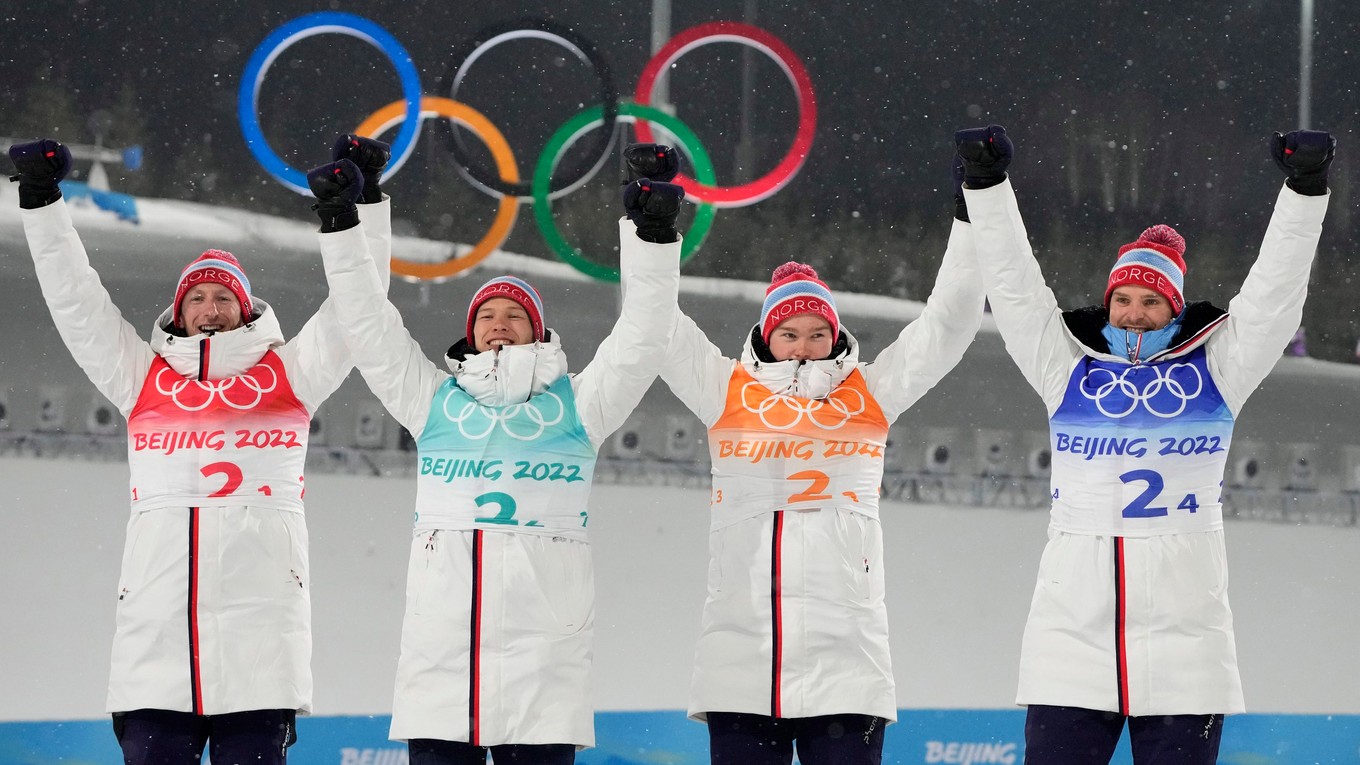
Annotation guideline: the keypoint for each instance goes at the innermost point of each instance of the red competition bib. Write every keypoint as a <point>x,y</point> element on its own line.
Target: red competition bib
<point>239,440</point>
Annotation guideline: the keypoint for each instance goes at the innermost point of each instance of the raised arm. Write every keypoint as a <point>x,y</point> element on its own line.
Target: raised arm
<point>696,370</point>
<point>391,361</point>
<point>930,346</point>
<point>1025,309</point>
<point>628,360</point>
<point>102,342</point>
<point>1263,317</point>
<point>374,207</point>
<point>318,359</point>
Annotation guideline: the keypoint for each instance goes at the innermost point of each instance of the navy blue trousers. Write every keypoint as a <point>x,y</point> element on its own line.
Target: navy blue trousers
<point>745,739</point>
<point>429,751</point>
<point>161,737</point>
<point>1075,736</point>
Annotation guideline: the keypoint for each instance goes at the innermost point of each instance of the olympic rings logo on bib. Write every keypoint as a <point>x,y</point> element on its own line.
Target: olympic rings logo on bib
<point>1165,396</point>
<point>203,392</point>
<point>779,412</point>
<point>476,422</point>
<point>507,185</point>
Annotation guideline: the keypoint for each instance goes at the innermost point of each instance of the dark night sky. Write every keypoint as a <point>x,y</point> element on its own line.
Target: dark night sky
<point>894,79</point>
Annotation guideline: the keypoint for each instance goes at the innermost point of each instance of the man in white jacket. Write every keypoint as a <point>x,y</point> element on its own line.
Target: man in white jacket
<point>213,638</point>
<point>793,653</point>
<point>1130,619</point>
<point>498,633</point>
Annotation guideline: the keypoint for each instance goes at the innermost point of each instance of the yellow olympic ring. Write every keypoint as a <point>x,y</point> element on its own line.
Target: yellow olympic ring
<point>434,106</point>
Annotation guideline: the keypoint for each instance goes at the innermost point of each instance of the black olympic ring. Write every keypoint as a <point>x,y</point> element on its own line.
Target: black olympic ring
<point>600,144</point>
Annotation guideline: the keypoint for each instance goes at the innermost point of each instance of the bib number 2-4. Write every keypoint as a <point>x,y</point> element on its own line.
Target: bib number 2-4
<point>1141,506</point>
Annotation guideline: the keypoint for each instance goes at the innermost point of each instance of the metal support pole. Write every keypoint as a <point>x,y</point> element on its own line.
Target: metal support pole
<point>1305,63</point>
<point>746,149</point>
<point>661,32</point>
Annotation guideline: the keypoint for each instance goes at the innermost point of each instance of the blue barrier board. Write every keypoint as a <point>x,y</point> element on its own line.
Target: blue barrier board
<point>943,737</point>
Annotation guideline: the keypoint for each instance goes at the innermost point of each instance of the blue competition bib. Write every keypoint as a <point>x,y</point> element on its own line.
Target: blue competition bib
<point>1140,450</point>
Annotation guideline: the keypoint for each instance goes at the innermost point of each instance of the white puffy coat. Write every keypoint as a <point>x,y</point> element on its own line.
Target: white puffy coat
<point>535,625</point>
<point>225,628</point>
<point>832,628</point>
<point>1175,653</point>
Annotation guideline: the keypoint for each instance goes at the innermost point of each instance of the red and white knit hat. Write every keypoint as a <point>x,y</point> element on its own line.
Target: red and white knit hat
<point>214,267</point>
<point>1156,262</point>
<point>795,289</point>
<point>514,289</point>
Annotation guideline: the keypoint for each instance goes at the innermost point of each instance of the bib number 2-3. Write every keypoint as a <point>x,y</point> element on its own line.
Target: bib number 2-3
<point>505,516</point>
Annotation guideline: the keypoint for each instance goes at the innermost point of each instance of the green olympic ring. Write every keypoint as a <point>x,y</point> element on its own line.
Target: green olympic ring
<point>578,126</point>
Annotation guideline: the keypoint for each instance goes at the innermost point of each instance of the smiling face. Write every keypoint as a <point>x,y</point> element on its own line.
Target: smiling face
<point>501,321</point>
<point>208,308</point>
<point>1139,309</point>
<point>803,337</point>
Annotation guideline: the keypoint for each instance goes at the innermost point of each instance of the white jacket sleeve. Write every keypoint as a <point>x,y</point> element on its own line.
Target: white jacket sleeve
<point>1264,316</point>
<point>391,361</point>
<point>377,220</point>
<point>696,371</point>
<point>1025,309</point>
<point>930,346</point>
<point>627,362</point>
<point>102,342</point>
<point>317,359</point>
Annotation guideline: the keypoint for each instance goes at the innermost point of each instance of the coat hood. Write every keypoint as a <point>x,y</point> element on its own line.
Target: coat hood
<point>800,379</point>
<point>1198,321</point>
<point>229,354</point>
<point>508,376</point>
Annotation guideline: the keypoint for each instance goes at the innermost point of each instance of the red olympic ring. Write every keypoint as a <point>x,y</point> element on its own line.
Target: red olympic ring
<point>755,37</point>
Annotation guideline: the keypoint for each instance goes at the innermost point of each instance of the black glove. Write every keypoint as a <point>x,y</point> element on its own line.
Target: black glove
<point>986,153</point>
<point>337,187</point>
<point>41,164</point>
<point>960,204</point>
<point>1304,156</point>
<point>653,161</point>
<point>370,155</point>
<point>653,207</point>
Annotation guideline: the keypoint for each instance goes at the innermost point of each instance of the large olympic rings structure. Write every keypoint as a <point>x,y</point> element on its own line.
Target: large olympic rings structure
<point>541,188</point>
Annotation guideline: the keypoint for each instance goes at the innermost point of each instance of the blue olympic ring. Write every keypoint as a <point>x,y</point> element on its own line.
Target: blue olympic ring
<point>325,22</point>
